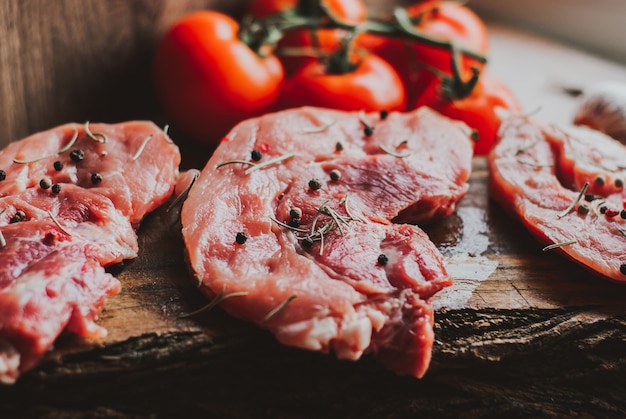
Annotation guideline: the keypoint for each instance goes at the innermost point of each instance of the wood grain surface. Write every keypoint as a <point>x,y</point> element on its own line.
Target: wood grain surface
<point>521,333</point>
<point>531,334</point>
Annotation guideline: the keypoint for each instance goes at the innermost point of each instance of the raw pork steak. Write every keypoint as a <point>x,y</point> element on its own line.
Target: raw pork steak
<point>567,188</point>
<point>70,199</point>
<point>291,225</point>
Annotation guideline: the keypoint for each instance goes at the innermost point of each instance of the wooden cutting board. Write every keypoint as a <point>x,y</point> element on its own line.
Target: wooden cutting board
<point>521,331</point>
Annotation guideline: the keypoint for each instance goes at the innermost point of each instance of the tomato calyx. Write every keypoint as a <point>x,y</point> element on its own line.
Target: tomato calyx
<point>454,87</point>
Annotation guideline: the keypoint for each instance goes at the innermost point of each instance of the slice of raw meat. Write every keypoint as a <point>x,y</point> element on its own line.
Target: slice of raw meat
<point>567,188</point>
<point>290,226</point>
<point>70,199</point>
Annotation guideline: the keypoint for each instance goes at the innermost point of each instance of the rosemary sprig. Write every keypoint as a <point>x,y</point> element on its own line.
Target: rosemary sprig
<point>61,151</point>
<point>269,162</point>
<point>320,128</point>
<point>56,222</point>
<point>183,194</point>
<point>257,166</point>
<point>557,245</point>
<point>94,135</point>
<point>166,135</point>
<point>3,241</point>
<point>18,161</point>
<point>287,226</point>
<point>573,204</point>
<point>142,146</point>
<point>534,164</point>
<point>249,163</point>
<point>393,153</point>
<point>219,298</point>
<point>70,143</point>
<point>278,308</point>
<point>344,202</point>
<point>364,121</point>
<point>522,150</point>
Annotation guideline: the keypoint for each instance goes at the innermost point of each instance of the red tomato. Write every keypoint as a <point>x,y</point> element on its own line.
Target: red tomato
<point>264,8</point>
<point>372,86</point>
<point>324,40</point>
<point>415,60</point>
<point>479,110</point>
<point>207,80</point>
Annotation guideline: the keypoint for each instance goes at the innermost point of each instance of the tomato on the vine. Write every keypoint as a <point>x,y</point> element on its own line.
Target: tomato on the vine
<point>207,79</point>
<point>479,110</point>
<point>372,85</point>
<point>418,62</point>
<point>321,40</point>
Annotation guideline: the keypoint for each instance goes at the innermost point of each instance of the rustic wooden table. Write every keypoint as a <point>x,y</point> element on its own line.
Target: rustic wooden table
<point>521,333</point>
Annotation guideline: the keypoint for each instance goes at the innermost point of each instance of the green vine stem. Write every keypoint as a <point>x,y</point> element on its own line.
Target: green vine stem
<point>262,35</point>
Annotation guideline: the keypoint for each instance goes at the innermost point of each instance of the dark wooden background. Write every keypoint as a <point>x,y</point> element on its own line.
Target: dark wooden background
<point>78,60</point>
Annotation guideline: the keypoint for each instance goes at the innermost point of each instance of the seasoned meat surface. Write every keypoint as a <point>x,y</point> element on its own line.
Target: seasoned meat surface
<point>294,224</point>
<point>70,199</point>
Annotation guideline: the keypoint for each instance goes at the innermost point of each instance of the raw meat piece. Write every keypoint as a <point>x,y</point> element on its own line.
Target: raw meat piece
<point>539,174</point>
<point>341,276</point>
<point>70,199</point>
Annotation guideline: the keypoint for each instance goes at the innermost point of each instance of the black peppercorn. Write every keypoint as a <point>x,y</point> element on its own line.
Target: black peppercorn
<point>583,209</point>
<point>307,242</point>
<point>315,184</point>
<point>77,155</point>
<point>58,166</point>
<point>56,188</point>
<point>295,212</point>
<point>18,216</point>
<point>382,259</point>
<point>599,181</point>
<point>3,174</point>
<point>256,155</point>
<point>45,183</point>
<point>335,175</point>
<point>241,237</point>
<point>96,178</point>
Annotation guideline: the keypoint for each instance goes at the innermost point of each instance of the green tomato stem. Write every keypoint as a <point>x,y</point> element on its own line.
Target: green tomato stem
<point>263,35</point>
